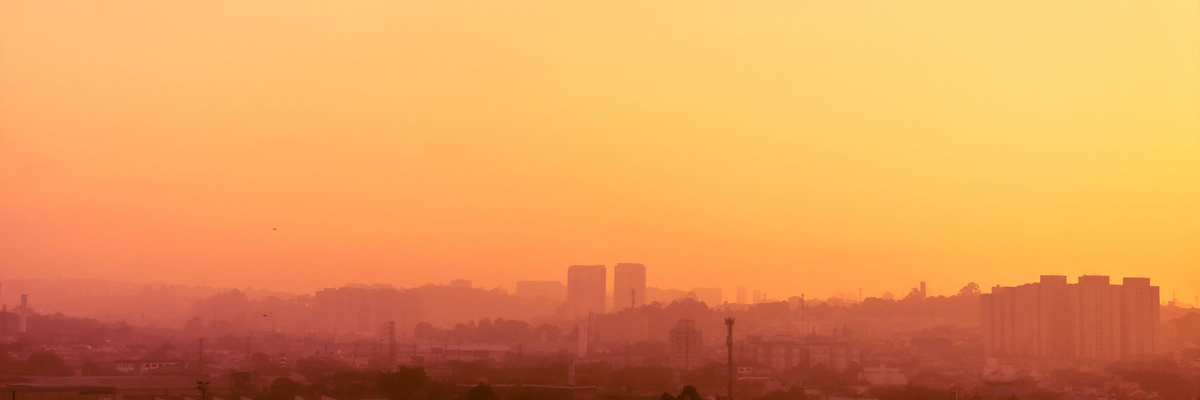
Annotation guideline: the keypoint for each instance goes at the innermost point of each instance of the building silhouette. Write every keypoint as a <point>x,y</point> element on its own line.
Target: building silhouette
<point>365,308</point>
<point>629,286</point>
<point>784,352</point>
<point>686,345</point>
<point>1139,317</point>
<point>1091,319</point>
<point>621,327</point>
<point>586,289</point>
<point>23,322</point>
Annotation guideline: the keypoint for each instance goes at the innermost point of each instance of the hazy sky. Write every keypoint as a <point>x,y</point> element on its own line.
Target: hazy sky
<point>790,146</point>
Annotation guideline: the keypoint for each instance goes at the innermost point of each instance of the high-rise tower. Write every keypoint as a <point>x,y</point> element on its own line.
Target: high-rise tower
<point>586,289</point>
<point>23,323</point>
<point>629,286</point>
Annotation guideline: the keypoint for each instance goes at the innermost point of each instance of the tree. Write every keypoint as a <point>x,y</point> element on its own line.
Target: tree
<point>7,364</point>
<point>314,367</point>
<point>194,325</point>
<point>438,392</point>
<point>1188,327</point>
<point>690,393</point>
<point>162,352</point>
<point>404,383</point>
<point>970,290</point>
<point>424,330</point>
<point>46,363</point>
<point>481,392</point>
<point>284,389</point>
<point>793,393</point>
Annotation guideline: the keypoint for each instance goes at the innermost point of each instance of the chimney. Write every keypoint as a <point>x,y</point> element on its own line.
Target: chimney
<point>23,323</point>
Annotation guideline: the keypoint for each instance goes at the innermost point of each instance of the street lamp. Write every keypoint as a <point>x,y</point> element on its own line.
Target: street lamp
<point>202,385</point>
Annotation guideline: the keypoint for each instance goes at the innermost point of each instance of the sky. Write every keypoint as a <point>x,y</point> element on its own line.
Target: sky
<point>788,146</point>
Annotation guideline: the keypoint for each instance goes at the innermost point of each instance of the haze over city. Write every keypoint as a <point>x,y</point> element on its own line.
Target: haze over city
<point>778,146</point>
<point>540,200</point>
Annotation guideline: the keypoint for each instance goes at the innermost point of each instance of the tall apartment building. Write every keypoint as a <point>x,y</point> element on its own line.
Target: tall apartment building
<point>687,345</point>
<point>1139,317</point>
<point>1090,319</point>
<point>629,286</point>
<point>366,308</point>
<point>586,289</point>
<point>1099,318</point>
<point>23,322</point>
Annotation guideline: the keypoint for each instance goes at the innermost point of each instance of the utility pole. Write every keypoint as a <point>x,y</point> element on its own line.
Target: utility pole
<point>391,328</point>
<point>249,362</point>
<point>200,357</point>
<point>203,387</point>
<point>729,344</point>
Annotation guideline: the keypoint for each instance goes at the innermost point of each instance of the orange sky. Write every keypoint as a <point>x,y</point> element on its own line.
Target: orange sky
<point>790,146</point>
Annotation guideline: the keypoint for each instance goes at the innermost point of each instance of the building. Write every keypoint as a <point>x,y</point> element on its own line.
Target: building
<point>365,309</point>
<point>586,289</point>
<point>883,376</point>
<point>460,283</point>
<point>785,352</point>
<point>629,286</point>
<point>741,295</point>
<point>621,327</point>
<point>23,322</point>
<point>143,366</point>
<point>1099,316</point>
<point>1055,317</point>
<point>687,345</point>
<point>1139,317</point>
<point>552,290</point>
<point>1091,319</point>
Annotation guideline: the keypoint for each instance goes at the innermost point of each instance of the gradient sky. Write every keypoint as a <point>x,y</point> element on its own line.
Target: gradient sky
<point>789,146</point>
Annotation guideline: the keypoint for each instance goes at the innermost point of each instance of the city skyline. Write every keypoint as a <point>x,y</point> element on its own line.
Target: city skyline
<point>604,200</point>
<point>727,294</point>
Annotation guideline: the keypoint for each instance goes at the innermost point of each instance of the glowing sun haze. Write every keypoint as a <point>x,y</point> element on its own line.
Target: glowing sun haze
<point>788,146</point>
